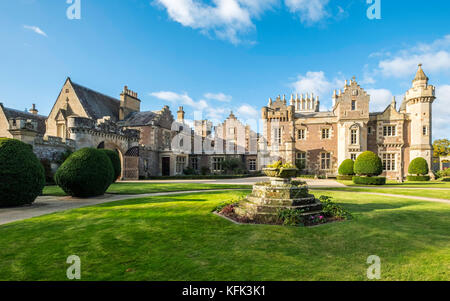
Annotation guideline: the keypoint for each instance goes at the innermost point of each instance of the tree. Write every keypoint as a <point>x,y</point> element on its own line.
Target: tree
<point>441,148</point>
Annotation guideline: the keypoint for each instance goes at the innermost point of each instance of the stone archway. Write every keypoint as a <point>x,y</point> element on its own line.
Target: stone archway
<point>113,147</point>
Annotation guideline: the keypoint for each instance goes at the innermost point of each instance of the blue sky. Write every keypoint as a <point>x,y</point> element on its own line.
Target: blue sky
<point>222,55</point>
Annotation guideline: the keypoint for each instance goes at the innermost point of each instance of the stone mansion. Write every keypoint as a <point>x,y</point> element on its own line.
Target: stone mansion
<point>155,143</point>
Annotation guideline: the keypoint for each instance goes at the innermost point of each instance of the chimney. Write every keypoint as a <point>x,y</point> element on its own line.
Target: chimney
<point>129,103</point>
<point>33,110</point>
<point>180,113</point>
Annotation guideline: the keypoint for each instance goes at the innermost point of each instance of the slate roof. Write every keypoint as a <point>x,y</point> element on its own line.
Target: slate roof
<point>139,118</point>
<point>13,113</point>
<point>314,114</point>
<point>97,105</point>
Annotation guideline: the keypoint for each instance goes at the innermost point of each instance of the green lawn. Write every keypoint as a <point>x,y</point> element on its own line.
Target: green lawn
<point>428,184</point>
<point>430,193</point>
<point>177,238</point>
<point>142,188</point>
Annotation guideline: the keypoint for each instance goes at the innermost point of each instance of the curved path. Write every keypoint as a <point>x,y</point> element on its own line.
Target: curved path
<point>50,204</point>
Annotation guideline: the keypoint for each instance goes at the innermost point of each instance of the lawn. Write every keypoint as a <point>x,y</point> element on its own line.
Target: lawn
<point>178,238</point>
<point>408,184</point>
<point>430,193</point>
<point>142,188</point>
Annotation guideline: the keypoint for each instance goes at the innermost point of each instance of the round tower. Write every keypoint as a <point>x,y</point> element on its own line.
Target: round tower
<point>419,100</point>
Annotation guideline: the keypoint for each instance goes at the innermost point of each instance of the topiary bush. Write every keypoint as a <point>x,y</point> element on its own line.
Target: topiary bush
<point>368,164</point>
<point>346,168</point>
<point>115,161</point>
<point>418,178</point>
<point>86,173</point>
<point>369,180</point>
<point>418,166</point>
<point>22,176</point>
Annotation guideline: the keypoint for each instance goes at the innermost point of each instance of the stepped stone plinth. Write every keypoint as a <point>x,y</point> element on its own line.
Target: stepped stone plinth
<point>267,199</point>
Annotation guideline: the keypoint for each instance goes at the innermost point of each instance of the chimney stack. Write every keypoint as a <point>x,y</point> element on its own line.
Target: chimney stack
<point>180,114</point>
<point>33,110</point>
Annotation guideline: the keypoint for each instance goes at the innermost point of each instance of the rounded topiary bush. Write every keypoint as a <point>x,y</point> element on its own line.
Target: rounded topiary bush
<point>22,176</point>
<point>115,161</point>
<point>86,173</point>
<point>368,164</point>
<point>346,168</point>
<point>418,166</point>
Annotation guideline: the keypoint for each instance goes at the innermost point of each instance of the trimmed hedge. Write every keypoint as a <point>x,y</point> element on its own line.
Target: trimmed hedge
<point>418,166</point>
<point>369,180</point>
<point>346,168</point>
<point>344,178</point>
<point>446,179</point>
<point>418,178</point>
<point>22,175</point>
<point>368,164</point>
<point>86,173</point>
<point>115,161</point>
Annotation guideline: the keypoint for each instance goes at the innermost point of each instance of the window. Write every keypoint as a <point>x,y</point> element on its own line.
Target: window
<point>252,164</point>
<point>181,162</point>
<point>369,130</point>
<point>353,105</point>
<point>425,131</point>
<point>278,133</point>
<point>353,157</point>
<point>145,165</point>
<point>389,131</point>
<point>301,135</point>
<point>325,133</point>
<point>325,162</point>
<point>217,164</point>
<point>354,136</point>
<point>389,162</point>
<point>232,131</point>
<point>194,163</point>
<point>301,158</point>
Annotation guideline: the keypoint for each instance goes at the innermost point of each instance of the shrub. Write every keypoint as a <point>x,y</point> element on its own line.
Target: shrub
<point>86,173</point>
<point>346,168</point>
<point>418,166</point>
<point>331,209</point>
<point>189,171</point>
<point>443,173</point>
<point>418,178</point>
<point>446,179</point>
<point>344,178</point>
<point>369,180</point>
<point>22,176</point>
<point>115,161</point>
<point>368,164</point>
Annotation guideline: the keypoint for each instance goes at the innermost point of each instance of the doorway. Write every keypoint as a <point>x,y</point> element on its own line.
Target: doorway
<point>166,166</point>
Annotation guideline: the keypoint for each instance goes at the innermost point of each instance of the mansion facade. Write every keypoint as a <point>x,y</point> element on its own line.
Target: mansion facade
<point>155,143</point>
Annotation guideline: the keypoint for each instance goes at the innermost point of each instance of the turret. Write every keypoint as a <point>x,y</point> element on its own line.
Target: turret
<point>419,100</point>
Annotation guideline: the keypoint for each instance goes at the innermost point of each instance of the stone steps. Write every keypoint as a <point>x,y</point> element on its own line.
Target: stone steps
<point>272,208</point>
<point>282,202</point>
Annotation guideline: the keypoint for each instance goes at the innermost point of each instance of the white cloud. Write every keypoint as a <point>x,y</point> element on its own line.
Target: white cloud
<point>441,113</point>
<point>310,11</point>
<point>183,99</point>
<point>316,82</point>
<point>246,111</point>
<point>379,99</point>
<point>230,19</point>
<point>219,97</point>
<point>434,56</point>
<point>35,29</point>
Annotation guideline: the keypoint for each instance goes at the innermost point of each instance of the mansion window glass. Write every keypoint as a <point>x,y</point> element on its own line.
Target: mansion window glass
<point>194,163</point>
<point>278,133</point>
<point>301,158</point>
<point>217,164</point>
<point>301,135</point>
<point>389,131</point>
<point>354,136</point>
<point>353,157</point>
<point>252,164</point>
<point>369,130</point>
<point>388,162</point>
<point>353,105</point>
<point>181,162</point>
<point>325,133</point>
<point>325,161</point>
<point>425,131</point>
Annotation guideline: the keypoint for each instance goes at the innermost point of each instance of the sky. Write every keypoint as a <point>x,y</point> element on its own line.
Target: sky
<point>217,56</point>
